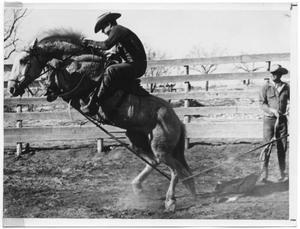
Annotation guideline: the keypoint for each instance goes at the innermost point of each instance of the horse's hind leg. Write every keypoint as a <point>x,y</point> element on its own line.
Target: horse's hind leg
<point>162,149</point>
<point>183,174</point>
<point>167,149</point>
<point>140,143</point>
<point>170,201</point>
<point>178,171</point>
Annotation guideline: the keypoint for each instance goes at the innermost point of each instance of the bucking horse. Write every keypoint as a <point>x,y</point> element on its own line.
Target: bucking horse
<point>73,72</point>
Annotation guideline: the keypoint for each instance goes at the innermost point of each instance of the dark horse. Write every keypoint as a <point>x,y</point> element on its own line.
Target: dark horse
<point>152,126</point>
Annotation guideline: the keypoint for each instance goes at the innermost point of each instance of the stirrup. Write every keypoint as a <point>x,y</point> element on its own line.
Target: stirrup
<point>90,109</point>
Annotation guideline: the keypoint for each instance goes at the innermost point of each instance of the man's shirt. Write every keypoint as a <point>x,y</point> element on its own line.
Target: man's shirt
<point>128,45</point>
<point>276,98</point>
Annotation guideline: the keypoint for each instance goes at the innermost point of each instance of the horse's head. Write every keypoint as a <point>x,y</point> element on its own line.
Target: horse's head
<point>58,44</point>
<point>27,66</point>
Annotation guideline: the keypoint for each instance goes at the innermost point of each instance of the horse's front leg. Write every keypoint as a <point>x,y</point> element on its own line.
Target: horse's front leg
<point>141,177</point>
<point>138,180</point>
<point>140,144</point>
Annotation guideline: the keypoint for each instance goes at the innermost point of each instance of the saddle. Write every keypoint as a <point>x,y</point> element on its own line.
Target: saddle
<point>134,87</point>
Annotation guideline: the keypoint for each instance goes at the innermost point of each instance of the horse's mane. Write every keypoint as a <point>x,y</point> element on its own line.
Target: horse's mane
<point>67,35</point>
<point>61,41</point>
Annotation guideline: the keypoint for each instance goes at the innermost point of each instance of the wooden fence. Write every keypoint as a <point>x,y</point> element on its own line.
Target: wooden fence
<point>227,127</point>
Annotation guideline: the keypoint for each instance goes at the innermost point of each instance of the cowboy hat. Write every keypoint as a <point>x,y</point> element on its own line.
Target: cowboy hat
<point>277,69</point>
<point>104,18</point>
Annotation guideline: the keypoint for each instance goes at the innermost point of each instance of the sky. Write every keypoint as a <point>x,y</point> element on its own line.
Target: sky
<point>175,29</point>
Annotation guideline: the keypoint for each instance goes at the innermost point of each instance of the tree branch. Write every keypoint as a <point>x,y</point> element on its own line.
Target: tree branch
<point>15,20</point>
<point>243,67</point>
<point>210,69</point>
<point>204,68</point>
<point>11,51</point>
<point>13,42</point>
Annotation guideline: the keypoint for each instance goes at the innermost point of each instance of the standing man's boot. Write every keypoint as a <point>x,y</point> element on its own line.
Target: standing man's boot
<point>283,176</point>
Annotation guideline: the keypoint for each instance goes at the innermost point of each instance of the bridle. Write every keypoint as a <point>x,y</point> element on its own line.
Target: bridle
<point>47,68</point>
<point>19,82</point>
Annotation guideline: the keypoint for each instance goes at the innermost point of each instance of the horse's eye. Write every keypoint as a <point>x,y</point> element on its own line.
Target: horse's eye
<point>24,60</point>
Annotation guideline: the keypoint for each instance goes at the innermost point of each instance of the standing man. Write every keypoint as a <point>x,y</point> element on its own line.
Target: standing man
<point>128,46</point>
<point>273,99</point>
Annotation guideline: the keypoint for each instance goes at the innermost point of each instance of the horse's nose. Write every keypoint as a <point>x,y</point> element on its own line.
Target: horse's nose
<point>12,90</point>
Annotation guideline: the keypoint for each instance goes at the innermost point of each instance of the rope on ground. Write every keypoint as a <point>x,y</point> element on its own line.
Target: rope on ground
<point>250,151</point>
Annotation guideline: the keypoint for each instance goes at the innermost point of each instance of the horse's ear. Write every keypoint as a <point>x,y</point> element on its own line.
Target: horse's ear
<point>35,43</point>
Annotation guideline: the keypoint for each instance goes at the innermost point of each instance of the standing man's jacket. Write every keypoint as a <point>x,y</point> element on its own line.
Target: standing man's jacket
<point>271,98</point>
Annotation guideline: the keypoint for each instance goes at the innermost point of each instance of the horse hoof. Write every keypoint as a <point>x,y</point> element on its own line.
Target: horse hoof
<point>137,188</point>
<point>170,205</point>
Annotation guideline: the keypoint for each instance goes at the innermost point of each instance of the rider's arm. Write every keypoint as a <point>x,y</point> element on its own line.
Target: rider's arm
<point>114,37</point>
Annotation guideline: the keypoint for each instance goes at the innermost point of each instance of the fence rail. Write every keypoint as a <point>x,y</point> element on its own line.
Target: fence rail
<point>195,78</point>
<point>212,60</point>
<point>223,59</point>
<point>180,111</point>
<point>247,93</point>
<point>204,130</point>
<point>207,128</point>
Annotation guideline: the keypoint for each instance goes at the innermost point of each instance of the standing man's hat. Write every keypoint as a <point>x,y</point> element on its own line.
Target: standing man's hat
<point>276,69</point>
<point>104,18</point>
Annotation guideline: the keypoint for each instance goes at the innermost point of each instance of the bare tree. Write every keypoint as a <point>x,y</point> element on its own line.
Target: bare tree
<point>12,21</point>
<point>155,71</point>
<point>248,67</point>
<point>199,52</point>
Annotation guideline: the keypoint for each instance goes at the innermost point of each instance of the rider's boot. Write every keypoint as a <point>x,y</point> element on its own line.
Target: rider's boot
<point>92,108</point>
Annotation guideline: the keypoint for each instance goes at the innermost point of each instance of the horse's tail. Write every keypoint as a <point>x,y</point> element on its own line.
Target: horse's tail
<point>185,170</point>
<point>180,147</point>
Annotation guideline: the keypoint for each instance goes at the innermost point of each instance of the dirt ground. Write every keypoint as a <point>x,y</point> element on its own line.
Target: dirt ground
<point>81,183</point>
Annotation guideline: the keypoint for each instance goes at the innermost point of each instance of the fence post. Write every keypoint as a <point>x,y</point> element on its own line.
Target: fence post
<point>269,65</point>
<point>19,125</point>
<point>186,118</point>
<point>99,145</point>
<point>267,79</point>
<point>206,85</point>
<point>187,69</point>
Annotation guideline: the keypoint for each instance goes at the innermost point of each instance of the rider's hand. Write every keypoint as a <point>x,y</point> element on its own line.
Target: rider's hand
<point>111,56</point>
<point>88,43</point>
<point>108,55</point>
<point>56,63</point>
